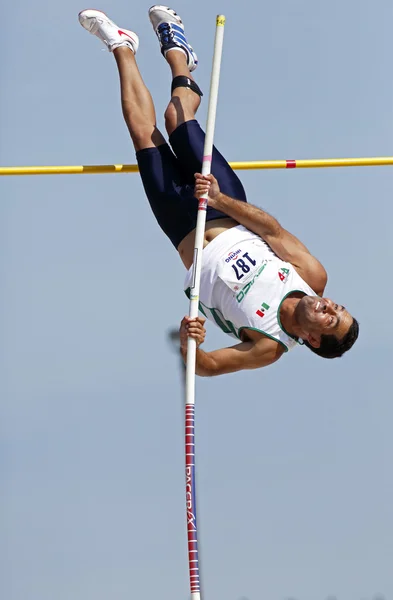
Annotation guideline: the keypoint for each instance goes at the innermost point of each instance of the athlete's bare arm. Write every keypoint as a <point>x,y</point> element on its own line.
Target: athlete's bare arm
<point>284,244</point>
<point>243,356</point>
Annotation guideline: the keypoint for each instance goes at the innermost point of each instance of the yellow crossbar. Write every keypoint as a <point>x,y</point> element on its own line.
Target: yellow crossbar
<point>238,166</point>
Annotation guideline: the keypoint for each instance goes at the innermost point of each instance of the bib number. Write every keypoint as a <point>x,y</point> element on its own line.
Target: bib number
<point>241,267</point>
<point>240,264</point>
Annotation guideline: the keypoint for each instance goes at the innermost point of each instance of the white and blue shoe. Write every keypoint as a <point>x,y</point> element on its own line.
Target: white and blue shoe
<point>170,32</point>
<point>97,23</point>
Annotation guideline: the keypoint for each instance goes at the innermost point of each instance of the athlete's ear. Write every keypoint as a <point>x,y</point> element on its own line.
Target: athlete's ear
<point>314,342</point>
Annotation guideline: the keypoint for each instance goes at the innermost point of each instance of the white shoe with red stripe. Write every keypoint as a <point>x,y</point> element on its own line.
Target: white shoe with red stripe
<point>98,24</point>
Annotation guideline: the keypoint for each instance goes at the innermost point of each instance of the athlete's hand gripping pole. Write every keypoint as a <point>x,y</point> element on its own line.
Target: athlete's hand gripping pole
<point>193,312</point>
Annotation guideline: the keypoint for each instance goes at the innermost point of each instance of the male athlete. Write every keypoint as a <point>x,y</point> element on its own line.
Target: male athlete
<point>259,283</point>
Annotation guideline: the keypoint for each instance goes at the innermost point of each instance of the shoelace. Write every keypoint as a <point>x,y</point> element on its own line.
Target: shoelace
<point>165,33</point>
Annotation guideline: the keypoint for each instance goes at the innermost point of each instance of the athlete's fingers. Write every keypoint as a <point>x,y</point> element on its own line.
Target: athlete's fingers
<point>192,327</point>
<point>206,185</point>
<point>211,179</point>
<point>192,323</point>
<point>200,177</point>
<point>197,334</point>
<point>195,328</point>
<point>198,319</point>
<point>202,188</point>
<point>202,183</point>
<point>183,329</point>
<point>200,191</point>
<point>208,178</point>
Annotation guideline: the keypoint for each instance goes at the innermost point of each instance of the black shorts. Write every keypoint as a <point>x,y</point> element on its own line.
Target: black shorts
<point>168,179</point>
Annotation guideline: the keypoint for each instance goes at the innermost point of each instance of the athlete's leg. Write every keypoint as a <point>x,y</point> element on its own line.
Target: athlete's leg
<point>136,101</point>
<point>172,203</point>
<point>184,102</point>
<point>158,167</point>
<point>185,93</point>
<point>185,135</point>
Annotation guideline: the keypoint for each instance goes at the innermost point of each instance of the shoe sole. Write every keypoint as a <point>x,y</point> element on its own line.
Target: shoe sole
<point>167,10</point>
<point>93,10</point>
<point>93,14</point>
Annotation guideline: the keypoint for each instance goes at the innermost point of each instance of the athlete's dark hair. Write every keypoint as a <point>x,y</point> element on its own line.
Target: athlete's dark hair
<point>331,347</point>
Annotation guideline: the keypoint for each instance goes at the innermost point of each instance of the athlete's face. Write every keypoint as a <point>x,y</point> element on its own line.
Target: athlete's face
<point>321,316</point>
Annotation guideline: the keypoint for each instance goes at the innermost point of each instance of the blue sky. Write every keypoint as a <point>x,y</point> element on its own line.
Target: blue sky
<point>295,484</point>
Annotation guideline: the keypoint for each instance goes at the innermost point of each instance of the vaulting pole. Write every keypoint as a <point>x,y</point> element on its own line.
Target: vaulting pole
<point>192,531</point>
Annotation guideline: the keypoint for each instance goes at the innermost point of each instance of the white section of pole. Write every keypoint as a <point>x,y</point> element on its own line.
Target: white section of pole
<point>201,219</point>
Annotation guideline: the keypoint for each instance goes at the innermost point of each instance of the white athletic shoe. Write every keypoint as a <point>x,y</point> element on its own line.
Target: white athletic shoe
<point>97,23</point>
<point>170,32</point>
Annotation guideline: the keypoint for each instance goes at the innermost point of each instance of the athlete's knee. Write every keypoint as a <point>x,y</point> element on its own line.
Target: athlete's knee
<point>177,113</point>
<point>145,136</point>
<point>141,136</point>
<point>173,115</point>
<point>186,98</point>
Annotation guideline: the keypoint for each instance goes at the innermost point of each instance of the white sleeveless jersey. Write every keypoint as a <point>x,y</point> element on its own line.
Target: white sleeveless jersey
<point>244,283</point>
